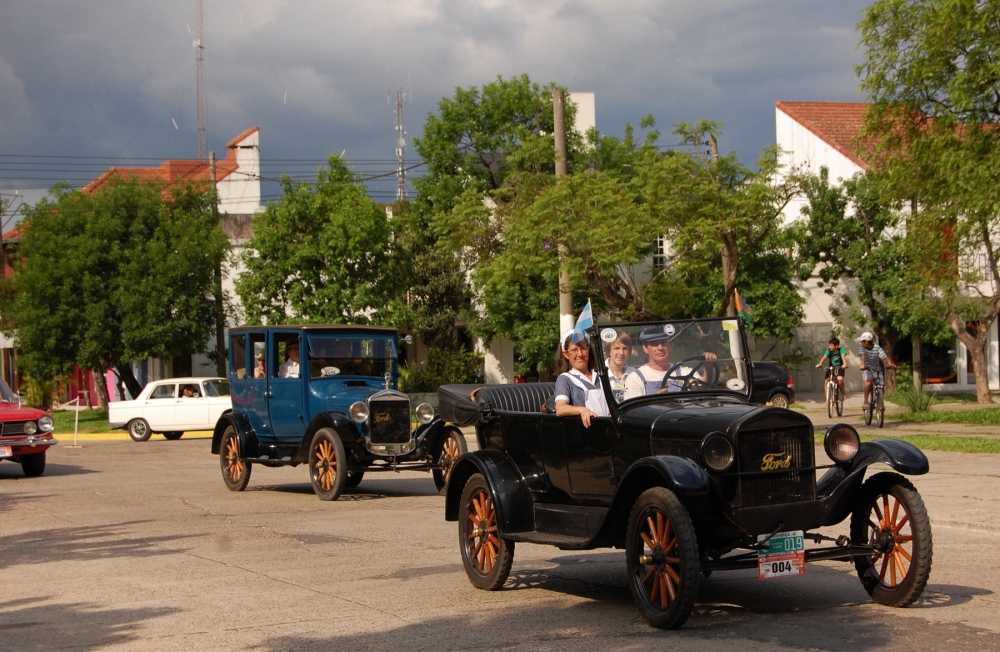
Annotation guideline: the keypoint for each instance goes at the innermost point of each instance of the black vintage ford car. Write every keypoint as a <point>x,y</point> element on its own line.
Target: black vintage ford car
<point>325,396</point>
<point>686,475</point>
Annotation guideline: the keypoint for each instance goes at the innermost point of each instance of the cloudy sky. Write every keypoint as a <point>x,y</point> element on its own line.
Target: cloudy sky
<point>87,85</point>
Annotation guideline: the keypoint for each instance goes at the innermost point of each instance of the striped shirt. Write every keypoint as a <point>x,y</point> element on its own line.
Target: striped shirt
<point>871,359</point>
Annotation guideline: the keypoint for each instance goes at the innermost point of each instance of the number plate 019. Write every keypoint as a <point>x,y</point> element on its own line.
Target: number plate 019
<point>785,555</point>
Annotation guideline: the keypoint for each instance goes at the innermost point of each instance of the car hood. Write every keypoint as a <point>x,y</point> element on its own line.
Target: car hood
<point>339,394</point>
<point>12,412</point>
<point>696,417</point>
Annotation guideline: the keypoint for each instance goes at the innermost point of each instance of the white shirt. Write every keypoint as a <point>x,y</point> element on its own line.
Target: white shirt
<point>288,369</point>
<point>618,382</point>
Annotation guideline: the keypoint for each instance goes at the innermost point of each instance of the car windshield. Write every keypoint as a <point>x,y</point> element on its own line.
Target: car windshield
<point>216,388</point>
<point>673,357</point>
<point>350,356</point>
<point>6,394</point>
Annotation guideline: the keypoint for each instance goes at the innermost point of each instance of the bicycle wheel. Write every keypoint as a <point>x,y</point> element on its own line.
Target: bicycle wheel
<point>868,409</point>
<point>880,409</point>
<point>840,402</point>
<point>830,400</point>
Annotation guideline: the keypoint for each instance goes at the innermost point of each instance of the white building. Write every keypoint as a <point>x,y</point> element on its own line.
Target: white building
<point>813,135</point>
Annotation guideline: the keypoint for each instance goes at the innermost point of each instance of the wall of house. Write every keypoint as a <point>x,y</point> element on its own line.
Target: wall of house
<point>239,192</point>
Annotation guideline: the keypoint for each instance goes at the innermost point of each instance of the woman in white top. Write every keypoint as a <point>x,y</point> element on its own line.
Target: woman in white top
<point>578,387</point>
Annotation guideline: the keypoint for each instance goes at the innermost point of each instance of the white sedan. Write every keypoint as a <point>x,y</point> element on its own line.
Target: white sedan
<point>171,406</point>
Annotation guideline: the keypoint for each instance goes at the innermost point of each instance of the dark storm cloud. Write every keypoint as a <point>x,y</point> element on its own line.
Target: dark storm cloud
<point>107,78</point>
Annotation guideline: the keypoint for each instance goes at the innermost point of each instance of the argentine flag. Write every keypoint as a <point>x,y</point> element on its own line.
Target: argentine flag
<point>583,322</point>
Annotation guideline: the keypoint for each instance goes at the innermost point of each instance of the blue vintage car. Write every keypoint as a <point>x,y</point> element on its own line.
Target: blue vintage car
<point>326,396</point>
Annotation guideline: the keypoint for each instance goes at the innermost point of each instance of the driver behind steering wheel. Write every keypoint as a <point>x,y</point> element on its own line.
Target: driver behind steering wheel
<point>657,341</point>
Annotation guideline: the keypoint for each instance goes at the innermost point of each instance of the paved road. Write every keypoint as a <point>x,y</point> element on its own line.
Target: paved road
<point>131,546</point>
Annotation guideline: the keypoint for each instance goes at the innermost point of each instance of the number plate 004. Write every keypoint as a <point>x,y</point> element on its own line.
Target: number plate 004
<point>784,555</point>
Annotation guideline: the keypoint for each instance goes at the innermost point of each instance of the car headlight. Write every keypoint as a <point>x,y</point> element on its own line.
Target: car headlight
<point>359,412</point>
<point>842,442</point>
<point>30,428</point>
<point>45,424</point>
<point>425,413</point>
<point>717,452</point>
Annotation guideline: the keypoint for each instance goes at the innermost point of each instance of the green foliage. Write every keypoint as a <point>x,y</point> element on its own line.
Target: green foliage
<point>443,367</point>
<point>90,421</point>
<point>911,399</point>
<point>904,377</point>
<point>321,254</point>
<point>794,359</point>
<point>38,393</point>
<point>981,417</point>
<point>976,445</point>
<point>114,277</point>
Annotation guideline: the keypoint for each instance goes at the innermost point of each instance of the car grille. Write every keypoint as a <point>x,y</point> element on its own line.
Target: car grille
<point>791,447</point>
<point>12,428</point>
<point>390,421</point>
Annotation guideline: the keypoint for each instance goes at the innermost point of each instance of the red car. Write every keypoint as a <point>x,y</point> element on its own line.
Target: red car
<point>25,433</point>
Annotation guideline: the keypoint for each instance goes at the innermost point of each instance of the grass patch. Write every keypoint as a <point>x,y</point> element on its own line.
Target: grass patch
<point>980,417</point>
<point>933,443</point>
<point>90,421</point>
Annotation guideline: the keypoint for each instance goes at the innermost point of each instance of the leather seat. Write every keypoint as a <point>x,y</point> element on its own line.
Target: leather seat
<point>518,397</point>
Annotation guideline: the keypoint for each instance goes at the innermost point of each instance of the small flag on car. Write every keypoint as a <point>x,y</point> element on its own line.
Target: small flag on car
<point>583,322</point>
<point>742,309</point>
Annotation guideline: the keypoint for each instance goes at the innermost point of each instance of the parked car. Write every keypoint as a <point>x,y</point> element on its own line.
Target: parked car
<point>326,396</point>
<point>772,384</point>
<point>687,476</point>
<point>25,433</point>
<point>172,406</point>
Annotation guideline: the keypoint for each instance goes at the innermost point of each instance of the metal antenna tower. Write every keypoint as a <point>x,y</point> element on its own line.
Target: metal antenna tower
<point>400,144</point>
<point>199,44</point>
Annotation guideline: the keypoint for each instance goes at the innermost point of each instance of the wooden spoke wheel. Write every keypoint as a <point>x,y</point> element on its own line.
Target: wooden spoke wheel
<point>327,464</point>
<point>486,557</point>
<point>138,430</point>
<point>451,447</point>
<point>235,470</point>
<point>33,465</point>
<point>662,559</point>
<point>890,516</point>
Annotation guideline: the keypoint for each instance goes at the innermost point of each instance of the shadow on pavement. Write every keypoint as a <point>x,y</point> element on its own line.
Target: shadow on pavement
<point>78,543</point>
<point>10,501</point>
<point>36,624</point>
<point>12,471</point>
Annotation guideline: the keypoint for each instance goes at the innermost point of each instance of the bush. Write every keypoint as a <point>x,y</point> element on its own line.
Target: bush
<point>904,377</point>
<point>912,400</point>
<point>38,394</point>
<point>444,367</point>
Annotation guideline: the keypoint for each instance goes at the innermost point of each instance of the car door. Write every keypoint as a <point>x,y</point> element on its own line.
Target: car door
<point>254,395</point>
<point>192,411</point>
<point>285,395</point>
<point>161,407</point>
<point>589,456</point>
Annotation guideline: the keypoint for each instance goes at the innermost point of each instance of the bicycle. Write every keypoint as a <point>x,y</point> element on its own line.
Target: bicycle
<point>834,399</point>
<point>876,403</point>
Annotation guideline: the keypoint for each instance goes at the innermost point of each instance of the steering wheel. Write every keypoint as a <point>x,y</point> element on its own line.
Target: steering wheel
<point>689,378</point>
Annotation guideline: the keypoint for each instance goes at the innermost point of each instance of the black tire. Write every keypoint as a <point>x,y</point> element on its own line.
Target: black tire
<point>840,404</point>
<point>447,451</point>
<point>868,410</point>
<point>830,400</point>
<point>779,400</point>
<point>327,464</point>
<point>138,430</point>
<point>33,465</point>
<point>664,585</point>
<point>876,521</point>
<point>353,479</point>
<point>486,557</point>
<point>880,410</point>
<point>173,435</point>
<point>235,470</point>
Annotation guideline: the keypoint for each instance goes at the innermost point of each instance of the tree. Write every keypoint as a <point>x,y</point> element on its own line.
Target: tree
<point>929,70</point>
<point>322,254</point>
<point>112,278</point>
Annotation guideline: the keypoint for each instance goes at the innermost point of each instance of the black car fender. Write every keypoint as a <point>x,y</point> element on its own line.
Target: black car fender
<point>514,504</point>
<point>428,435</point>
<point>247,437</point>
<point>336,421</point>
<point>902,456</point>
<point>678,474</point>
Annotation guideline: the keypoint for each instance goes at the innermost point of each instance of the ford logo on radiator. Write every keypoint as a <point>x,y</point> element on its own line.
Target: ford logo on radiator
<point>776,461</point>
<point>381,417</point>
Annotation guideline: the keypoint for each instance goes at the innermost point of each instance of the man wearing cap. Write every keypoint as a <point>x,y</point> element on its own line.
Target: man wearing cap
<point>290,367</point>
<point>872,358</point>
<point>648,379</point>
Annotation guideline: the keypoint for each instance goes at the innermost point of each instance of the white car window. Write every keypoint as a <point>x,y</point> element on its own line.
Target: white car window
<point>163,391</point>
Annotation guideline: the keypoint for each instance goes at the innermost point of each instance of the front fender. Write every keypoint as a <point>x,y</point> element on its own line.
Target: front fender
<point>514,504</point>
<point>900,455</point>
<point>678,474</point>
<point>338,422</point>
<point>248,438</point>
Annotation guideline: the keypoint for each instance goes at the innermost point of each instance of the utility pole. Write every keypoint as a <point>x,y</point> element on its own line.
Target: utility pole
<point>199,44</point>
<point>565,289</point>
<point>220,315</point>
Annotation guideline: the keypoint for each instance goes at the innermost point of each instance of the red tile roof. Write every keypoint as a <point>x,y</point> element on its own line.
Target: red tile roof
<point>178,170</point>
<point>836,123</point>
